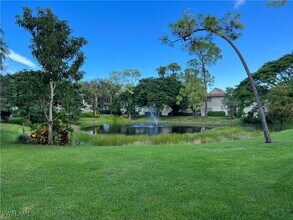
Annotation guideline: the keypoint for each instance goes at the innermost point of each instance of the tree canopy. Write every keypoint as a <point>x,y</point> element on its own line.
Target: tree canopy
<point>124,82</point>
<point>193,90</point>
<point>274,81</point>
<point>268,76</point>
<point>173,69</point>
<point>230,101</point>
<point>157,92</point>
<point>31,99</point>
<point>54,48</point>
<point>58,53</point>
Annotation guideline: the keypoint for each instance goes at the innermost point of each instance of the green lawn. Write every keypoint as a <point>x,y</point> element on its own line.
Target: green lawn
<point>244,179</point>
<point>200,120</point>
<point>104,119</point>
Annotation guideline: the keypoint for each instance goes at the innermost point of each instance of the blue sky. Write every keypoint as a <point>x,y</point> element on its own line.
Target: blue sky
<point>124,34</point>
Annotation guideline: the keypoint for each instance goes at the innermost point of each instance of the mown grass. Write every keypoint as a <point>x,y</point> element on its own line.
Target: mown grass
<point>215,135</point>
<point>244,179</point>
<point>104,119</point>
<point>199,120</point>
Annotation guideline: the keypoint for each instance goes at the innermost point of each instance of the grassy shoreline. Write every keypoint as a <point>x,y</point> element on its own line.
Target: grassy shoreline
<point>219,134</point>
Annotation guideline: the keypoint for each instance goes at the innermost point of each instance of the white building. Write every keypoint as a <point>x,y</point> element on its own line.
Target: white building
<point>144,110</point>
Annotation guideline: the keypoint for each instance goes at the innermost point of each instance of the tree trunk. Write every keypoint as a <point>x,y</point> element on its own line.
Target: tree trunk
<point>110,105</point>
<point>205,87</point>
<point>231,112</point>
<point>252,83</point>
<point>23,130</point>
<point>95,106</point>
<point>205,107</point>
<point>50,121</point>
<point>129,114</point>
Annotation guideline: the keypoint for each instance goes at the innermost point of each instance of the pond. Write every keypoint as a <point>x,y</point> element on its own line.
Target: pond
<point>149,129</point>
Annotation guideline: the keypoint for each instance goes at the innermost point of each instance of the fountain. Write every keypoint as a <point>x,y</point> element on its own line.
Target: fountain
<point>151,128</point>
<point>154,115</point>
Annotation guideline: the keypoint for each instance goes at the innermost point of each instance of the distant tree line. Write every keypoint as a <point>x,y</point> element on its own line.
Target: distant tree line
<point>54,94</point>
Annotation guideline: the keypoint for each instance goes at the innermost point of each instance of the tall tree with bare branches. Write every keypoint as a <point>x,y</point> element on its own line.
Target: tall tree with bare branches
<point>191,30</point>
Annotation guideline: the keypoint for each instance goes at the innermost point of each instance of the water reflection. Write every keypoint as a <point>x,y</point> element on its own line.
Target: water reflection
<point>149,129</point>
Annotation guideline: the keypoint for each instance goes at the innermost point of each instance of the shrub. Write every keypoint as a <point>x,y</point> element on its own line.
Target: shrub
<point>181,114</point>
<point>5,115</point>
<point>61,137</point>
<point>39,134</point>
<point>117,113</point>
<point>250,118</point>
<point>90,115</point>
<point>61,132</point>
<point>104,112</point>
<point>22,139</point>
<point>216,113</point>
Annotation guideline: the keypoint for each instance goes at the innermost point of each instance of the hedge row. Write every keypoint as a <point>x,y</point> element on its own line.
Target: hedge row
<point>216,113</point>
<point>89,115</point>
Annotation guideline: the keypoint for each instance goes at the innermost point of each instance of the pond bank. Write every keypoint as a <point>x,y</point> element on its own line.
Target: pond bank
<point>219,134</point>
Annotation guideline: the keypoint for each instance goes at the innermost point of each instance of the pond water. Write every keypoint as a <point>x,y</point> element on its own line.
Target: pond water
<point>149,129</point>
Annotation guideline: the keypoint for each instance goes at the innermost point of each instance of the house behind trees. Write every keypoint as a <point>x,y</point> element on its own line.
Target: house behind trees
<point>215,101</point>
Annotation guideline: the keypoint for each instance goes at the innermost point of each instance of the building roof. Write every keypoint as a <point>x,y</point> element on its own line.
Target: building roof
<point>216,92</point>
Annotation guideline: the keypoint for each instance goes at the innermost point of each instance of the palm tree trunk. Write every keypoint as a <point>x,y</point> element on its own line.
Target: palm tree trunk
<point>205,107</point>
<point>252,83</point>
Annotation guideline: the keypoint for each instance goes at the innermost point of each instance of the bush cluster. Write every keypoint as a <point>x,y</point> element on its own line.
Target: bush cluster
<point>39,134</point>
<point>23,139</point>
<point>90,115</point>
<point>104,112</point>
<point>216,113</point>
<point>254,118</point>
<point>108,112</point>
<point>5,115</point>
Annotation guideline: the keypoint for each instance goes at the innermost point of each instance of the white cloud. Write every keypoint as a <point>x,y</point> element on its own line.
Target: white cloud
<point>21,59</point>
<point>238,3</point>
<point>274,48</point>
